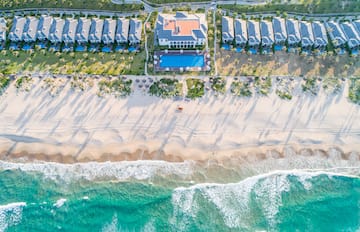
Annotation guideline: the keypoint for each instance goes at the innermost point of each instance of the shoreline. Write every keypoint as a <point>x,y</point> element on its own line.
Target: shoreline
<point>176,154</point>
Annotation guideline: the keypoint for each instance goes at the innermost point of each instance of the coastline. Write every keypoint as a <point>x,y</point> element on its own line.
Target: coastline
<point>174,153</point>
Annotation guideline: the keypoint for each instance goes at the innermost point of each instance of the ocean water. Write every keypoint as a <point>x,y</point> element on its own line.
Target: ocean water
<point>159,196</point>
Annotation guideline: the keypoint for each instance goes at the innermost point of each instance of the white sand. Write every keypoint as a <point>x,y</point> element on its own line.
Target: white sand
<point>83,126</point>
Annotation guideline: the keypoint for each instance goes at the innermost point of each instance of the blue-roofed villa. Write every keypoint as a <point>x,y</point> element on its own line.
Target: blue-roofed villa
<point>68,34</point>
<point>280,33</point>
<point>267,36</point>
<point>254,38</point>
<point>353,38</point>
<point>227,29</point>
<point>241,35</point>
<point>30,29</point>
<point>108,35</point>
<point>320,36</point>
<point>336,34</point>
<point>82,34</point>
<point>293,33</point>
<point>307,36</point>
<point>56,29</point>
<point>43,28</point>
<point>17,29</point>
<point>95,33</point>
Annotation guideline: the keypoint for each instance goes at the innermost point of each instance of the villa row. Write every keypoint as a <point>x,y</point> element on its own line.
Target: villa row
<point>308,35</point>
<point>70,31</point>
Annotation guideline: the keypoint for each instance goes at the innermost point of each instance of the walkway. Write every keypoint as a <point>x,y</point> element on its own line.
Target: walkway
<point>215,40</point>
<point>146,46</point>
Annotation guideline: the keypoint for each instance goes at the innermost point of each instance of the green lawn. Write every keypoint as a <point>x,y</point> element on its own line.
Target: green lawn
<point>72,4</point>
<point>73,62</point>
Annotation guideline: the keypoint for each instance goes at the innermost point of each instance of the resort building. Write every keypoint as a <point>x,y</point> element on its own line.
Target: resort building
<point>17,29</point>
<point>279,28</point>
<point>320,37</point>
<point>336,34</point>
<point>267,34</point>
<point>353,38</point>
<point>240,32</point>
<point>307,36</point>
<point>293,32</point>
<point>56,30</point>
<point>108,35</point>
<point>135,31</point>
<point>68,34</point>
<point>181,30</point>
<point>96,30</point>
<point>227,26</point>
<point>122,31</point>
<point>2,30</point>
<point>30,29</point>
<point>253,30</point>
<point>43,29</point>
<point>82,31</point>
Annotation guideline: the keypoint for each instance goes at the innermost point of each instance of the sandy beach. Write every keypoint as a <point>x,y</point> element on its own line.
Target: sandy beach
<point>76,126</point>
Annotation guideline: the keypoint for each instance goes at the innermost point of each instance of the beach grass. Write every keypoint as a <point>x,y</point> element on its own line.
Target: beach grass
<point>81,83</point>
<point>354,90</point>
<point>281,63</point>
<point>241,88</point>
<point>166,88</point>
<point>218,84</point>
<point>53,85</point>
<point>262,85</point>
<point>72,63</point>
<point>116,87</point>
<point>196,88</point>
<point>310,85</point>
<point>4,83</point>
<point>332,85</point>
<point>23,83</point>
<point>284,89</point>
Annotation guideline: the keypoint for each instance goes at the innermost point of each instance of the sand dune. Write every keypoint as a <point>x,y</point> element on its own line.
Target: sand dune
<point>80,126</point>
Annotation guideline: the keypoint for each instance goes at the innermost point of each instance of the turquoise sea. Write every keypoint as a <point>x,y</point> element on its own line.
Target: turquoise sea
<point>159,196</point>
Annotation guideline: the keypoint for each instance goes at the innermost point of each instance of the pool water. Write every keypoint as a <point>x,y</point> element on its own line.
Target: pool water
<point>278,47</point>
<point>178,61</point>
<point>226,47</point>
<point>106,49</point>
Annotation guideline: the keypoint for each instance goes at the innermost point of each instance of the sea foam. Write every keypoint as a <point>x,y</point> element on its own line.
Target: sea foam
<point>235,200</point>
<point>10,214</point>
<point>125,170</point>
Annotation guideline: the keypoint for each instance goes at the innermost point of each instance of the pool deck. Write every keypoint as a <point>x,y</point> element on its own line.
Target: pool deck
<point>159,54</point>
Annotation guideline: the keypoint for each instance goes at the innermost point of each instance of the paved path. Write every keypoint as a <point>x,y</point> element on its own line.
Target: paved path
<point>146,45</point>
<point>215,41</point>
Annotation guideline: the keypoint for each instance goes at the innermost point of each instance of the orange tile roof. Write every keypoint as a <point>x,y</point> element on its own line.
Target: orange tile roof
<point>185,26</point>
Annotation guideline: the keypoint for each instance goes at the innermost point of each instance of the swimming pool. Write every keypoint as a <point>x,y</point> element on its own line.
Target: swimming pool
<point>182,61</point>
